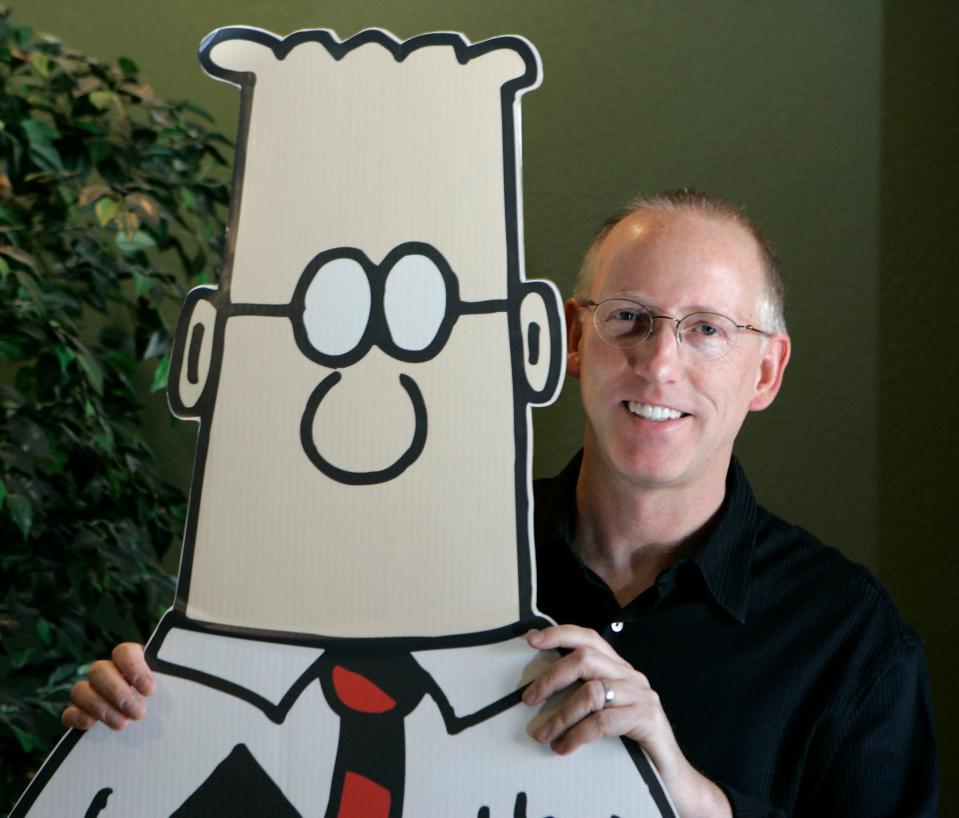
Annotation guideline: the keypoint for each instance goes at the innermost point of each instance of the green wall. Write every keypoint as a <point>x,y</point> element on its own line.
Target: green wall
<point>827,119</point>
<point>918,403</point>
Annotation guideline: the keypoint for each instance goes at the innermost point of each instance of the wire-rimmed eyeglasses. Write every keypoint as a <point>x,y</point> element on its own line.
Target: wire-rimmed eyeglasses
<point>624,323</point>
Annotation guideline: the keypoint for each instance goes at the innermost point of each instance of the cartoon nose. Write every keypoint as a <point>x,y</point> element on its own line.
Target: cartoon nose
<point>366,425</point>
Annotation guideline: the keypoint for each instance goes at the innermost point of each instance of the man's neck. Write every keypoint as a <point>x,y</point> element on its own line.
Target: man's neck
<point>629,533</point>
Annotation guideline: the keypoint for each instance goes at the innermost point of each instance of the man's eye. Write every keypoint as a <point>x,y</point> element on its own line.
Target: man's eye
<point>705,329</point>
<point>625,315</point>
<point>337,306</point>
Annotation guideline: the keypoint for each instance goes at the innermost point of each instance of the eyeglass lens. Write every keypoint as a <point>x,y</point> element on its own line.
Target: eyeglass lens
<point>625,323</point>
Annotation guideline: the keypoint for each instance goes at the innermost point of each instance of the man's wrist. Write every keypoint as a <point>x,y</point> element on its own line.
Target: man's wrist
<point>694,795</point>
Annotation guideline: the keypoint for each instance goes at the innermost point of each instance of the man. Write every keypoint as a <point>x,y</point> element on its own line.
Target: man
<point>762,672</point>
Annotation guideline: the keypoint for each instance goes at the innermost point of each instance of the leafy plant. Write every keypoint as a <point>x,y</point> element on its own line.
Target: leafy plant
<point>111,204</point>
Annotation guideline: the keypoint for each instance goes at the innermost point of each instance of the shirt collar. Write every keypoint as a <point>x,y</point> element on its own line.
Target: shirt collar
<point>725,553</point>
<point>722,557</point>
<point>269,673</point>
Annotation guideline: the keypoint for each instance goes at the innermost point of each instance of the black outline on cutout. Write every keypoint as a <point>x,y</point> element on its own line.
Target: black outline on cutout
<point>195,346</point>
<point>532,339</point>
<point>516,285</point>
<point>377,332</point>
<point>203,408</point>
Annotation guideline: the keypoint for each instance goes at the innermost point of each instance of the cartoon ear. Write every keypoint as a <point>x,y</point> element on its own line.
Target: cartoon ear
<point>192,359</point>
<point>541,325</point>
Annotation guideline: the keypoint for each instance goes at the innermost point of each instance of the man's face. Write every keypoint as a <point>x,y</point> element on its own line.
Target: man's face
<point>675,264</point>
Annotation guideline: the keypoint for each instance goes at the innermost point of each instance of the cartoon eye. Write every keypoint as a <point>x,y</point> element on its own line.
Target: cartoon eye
<point>414,302</point>
<point>337,306</point>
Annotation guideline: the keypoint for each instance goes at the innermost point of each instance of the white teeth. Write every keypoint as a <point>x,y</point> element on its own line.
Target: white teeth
<point>645,410</point>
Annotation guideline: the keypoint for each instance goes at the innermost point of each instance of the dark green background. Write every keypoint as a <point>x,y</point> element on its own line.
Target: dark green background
<point>834,122</point>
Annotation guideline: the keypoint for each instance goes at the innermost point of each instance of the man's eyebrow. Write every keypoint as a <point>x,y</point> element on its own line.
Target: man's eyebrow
<point>641,299</point>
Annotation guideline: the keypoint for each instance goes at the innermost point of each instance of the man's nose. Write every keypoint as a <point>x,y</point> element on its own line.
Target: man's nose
<point>659,357</point>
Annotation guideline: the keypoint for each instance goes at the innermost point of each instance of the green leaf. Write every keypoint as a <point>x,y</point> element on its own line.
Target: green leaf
<point>39,137</point>
<point>4,270</point>
<point>22,35</point>
<point>3,492</point>
<point>93,371</point>
<point>41,63</point>
<point>38,131</point>
<point>106,209</point>
<point>161,374</point>
<point>65,356</point>
<point>20,255</point>
<point>127,66</point>
<point>27,742</point>
<point>29,284</point>
<point>141,283</point>
<point>44,631</point>
<point>101,99</point>
<point>21,510</point>
<point>135,243</point>
<point>10,349</point>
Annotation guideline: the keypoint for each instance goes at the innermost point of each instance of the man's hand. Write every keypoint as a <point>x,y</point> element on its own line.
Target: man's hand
<point>630,708</point>
<point>112,692</point>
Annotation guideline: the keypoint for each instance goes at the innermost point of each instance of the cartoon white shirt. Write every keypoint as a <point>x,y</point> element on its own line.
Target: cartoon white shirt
<point>246,725</point>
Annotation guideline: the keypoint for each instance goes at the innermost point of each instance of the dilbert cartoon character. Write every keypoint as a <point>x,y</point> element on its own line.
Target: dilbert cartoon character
<point>347,635</point>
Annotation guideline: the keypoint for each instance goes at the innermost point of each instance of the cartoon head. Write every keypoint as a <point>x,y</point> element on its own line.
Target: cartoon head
<point>364,371</point>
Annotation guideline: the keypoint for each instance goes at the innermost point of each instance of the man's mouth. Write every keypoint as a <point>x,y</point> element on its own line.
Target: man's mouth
<point>651,412</point>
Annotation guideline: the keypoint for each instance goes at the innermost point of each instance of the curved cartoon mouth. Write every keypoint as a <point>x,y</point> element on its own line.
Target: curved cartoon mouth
<point>363,478</point>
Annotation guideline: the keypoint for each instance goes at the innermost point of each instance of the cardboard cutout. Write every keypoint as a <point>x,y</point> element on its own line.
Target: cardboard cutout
<point>356,580</point>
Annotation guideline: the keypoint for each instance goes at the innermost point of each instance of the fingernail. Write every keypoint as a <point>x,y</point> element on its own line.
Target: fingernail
<point>133,706</point>
<point>535,637</point>
<point>114,720</point>
<point>542,733</point>
<point>144,684</point>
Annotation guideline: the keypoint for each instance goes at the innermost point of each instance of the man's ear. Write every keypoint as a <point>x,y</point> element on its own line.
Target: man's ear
<point>192,362</point>
<point>769,378</point>
<point>574,335</point>
<point>541,327</point>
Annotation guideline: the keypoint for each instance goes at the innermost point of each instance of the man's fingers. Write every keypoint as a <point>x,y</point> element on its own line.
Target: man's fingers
<point>113,689</point>
<point>584,663</point>
<point>579,665</point>
<point>132,664</point>
<point>86,699</point>
<point>568,637</point>
<point>587,700</point>
<point>73,716</point>
<point>634,710</point>
<point>613,721</point>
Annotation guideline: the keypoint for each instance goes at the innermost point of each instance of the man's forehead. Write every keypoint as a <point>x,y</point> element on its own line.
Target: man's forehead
<point>650,252</point>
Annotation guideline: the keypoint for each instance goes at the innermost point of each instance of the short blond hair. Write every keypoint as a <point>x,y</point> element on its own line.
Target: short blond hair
<point>696,201</point>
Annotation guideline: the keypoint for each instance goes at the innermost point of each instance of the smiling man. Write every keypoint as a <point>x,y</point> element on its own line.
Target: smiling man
<point>763,673</point>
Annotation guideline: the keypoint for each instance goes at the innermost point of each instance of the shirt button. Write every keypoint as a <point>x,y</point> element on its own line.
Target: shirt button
<point>616,626</point>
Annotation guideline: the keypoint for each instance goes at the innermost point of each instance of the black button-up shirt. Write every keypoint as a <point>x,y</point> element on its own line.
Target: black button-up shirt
<point>786,672</point>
